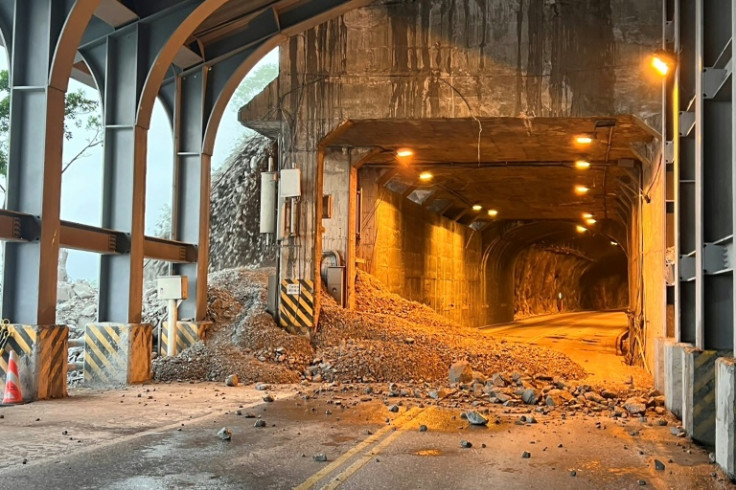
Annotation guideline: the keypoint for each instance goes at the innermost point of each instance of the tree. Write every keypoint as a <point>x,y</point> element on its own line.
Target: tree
<point>80,113</point>
<point>254,83</point>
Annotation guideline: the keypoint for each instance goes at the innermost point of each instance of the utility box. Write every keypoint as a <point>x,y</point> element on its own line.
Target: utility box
<point>290,183</point>
<point>172,287</point>
<point>336,283</point>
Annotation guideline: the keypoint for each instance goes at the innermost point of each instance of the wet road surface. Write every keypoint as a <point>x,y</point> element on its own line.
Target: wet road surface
<point>367,446</point>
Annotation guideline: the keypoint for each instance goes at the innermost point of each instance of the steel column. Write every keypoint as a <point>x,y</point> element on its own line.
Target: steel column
<point>698,176</point>
<point>121,276</point>
<point>191,218</point>
<point>45,34</point>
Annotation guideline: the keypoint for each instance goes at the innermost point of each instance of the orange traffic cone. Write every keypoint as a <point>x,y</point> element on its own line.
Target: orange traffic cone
<point>12,383</point>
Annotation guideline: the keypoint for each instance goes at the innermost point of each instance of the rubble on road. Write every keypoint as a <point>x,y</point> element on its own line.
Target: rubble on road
<point>368,344</point>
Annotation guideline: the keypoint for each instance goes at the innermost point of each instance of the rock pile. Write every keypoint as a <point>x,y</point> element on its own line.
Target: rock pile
<point>244,339</point>
<point>369,344</point>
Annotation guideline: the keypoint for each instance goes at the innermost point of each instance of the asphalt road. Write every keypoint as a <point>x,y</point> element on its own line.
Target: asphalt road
<point>588,338</point>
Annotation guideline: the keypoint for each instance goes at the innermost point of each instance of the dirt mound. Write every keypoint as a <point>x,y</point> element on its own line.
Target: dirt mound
<point>387,339</point>
<point>390,339</point>
<point>243,340</point>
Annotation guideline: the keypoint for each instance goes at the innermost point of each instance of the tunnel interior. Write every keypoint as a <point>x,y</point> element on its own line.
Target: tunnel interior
<point>544,225</point>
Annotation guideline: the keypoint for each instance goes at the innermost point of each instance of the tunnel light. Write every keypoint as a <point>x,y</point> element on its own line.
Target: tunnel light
<point>477,207</point>
<point>404,153</point>
<point>662,62</point>
<point>583,140</point>
<point>581,189</point>
<point>590,221</point>
<point>426,176</point>
<point>587,215</point>
<point>582,165</point>
<point>615,244</point>
<point>581,229</point>
<point>492,213</point>
<point>660,65</point>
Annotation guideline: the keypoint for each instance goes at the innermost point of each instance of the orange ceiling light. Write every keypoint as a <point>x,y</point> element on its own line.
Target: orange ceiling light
<point>583,139</point>
<point>581,229</point>
<point>492,213</point>
<point>404,152</point>
<point>581,189</point>
<point>582,164</point>
<point>662,62</point>
<point>477,207</point>
<point>587,215</point>
<point>590,221</point>
<point>426,176</point>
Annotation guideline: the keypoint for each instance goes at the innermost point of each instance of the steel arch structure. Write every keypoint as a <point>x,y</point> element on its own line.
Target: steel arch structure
<point>190,54</point>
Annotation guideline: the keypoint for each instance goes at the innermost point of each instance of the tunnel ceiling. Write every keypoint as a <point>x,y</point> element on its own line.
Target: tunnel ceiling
<point>523,168</point>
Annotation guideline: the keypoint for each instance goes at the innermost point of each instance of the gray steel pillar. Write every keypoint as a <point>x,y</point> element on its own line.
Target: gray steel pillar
<point>45,36</point>
<point>191,219</point>
<point>124,182</point>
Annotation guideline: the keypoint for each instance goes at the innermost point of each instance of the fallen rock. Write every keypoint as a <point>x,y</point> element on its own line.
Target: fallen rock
<point>393,408</point>
<point>268,398</point>
<point>530,396</point>
<point>263,386</point>
<point>635,405</point>
<point>224,434</point>
<point>466,444</point>
<point>461,372</point>
<point>320,457</point>
<point>260,423</point>
<point>658,465</point>
<point>422,428</point>
<point>526,455</point>
<point>475,418</point>
<point>231,380</point>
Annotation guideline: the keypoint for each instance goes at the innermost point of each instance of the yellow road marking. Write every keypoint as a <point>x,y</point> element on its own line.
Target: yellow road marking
<point>342,477</point>
<point>312,480</point>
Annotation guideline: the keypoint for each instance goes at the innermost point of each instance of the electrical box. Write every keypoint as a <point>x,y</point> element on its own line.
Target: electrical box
<point>336,283</point>
<point>327,202</point>
<point>172,287</point>
<point>290,183</point>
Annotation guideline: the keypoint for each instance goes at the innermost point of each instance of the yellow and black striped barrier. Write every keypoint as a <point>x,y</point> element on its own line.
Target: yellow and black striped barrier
<point>116,353</point>
<point>701,422</point>
<point>296,308</point>
<point>43,352</point>
<point>187,334</point>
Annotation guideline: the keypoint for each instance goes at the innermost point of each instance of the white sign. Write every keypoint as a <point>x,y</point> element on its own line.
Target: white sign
<point>293,289</point>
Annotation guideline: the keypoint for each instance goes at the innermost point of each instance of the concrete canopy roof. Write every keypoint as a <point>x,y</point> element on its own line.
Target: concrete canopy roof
<point>523,168</point>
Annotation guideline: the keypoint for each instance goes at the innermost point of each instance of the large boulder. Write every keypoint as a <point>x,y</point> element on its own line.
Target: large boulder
<point>461,372</point>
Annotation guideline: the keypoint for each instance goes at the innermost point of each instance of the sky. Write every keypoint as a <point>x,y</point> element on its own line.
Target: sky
<point>81,194</point>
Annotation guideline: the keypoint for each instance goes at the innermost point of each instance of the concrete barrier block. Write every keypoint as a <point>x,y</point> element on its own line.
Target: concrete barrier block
<point>699,392</point>
<point>673,376</point>
<point>659,364</point>
<point>726,415</point>
<point>42,359</point>
<point>187,334</point>
<point>117,353</point>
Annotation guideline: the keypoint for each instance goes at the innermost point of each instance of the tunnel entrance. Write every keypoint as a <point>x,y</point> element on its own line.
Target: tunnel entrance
<point>493,220</point>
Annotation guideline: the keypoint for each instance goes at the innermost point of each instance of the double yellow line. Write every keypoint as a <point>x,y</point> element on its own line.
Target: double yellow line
<point>337,480</point>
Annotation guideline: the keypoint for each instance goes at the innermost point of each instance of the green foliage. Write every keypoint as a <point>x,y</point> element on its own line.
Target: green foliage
<point>79,113</point>
<point>254,83</point>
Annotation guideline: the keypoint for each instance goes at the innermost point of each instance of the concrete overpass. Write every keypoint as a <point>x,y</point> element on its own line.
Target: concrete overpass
<point>460,127</point>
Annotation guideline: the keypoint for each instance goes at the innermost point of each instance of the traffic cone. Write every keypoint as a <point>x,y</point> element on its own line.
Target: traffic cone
<point>12,383</point>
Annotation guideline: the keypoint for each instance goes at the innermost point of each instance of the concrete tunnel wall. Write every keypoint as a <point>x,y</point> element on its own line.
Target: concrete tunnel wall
<point>448,59</point>
<point>420,255</point>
